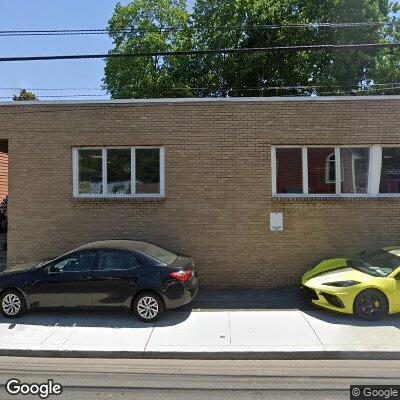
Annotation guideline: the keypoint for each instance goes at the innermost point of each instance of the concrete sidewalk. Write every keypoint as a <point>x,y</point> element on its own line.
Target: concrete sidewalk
<point>200,334</point>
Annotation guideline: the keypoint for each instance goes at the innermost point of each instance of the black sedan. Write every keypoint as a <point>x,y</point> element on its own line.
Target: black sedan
<point>127,273</point>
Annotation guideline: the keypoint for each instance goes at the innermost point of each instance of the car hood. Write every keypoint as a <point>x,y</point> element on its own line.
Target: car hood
<point>18,268</point>
<point>333,270</point>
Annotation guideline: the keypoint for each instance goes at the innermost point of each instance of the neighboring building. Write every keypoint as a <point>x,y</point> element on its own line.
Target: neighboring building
<point>201,176</point>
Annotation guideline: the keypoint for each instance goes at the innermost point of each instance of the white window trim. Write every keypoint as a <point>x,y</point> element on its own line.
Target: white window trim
<point>104,194</point>
<point>374,172</point>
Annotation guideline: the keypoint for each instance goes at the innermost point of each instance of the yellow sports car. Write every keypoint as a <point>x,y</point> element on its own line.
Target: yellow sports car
<point>367,286</point>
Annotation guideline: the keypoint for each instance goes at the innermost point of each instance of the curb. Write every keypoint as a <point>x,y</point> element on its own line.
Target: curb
<point>207,355</point>
<point>277,355</point>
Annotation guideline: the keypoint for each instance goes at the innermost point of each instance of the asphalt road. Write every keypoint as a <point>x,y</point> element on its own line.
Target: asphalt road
<point>87,379</point>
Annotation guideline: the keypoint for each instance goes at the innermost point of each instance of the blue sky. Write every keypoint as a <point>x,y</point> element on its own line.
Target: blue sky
<point>54,14</point>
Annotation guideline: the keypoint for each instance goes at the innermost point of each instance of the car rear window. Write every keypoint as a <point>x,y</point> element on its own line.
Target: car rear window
<point>158,253</point>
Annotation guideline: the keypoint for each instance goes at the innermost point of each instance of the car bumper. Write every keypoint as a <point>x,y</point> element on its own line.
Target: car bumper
<point>180,293</point>
<point>336,299</point>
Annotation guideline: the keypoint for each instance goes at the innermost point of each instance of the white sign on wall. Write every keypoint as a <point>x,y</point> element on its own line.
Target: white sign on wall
<point>276,221</point>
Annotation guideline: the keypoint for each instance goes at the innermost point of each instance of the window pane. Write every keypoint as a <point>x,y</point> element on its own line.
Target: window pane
<point>118,171</point>
<point>289,172</point>
<point>355,165</point>
<point>147,171</point>
<point>77,262</point>
<point>90,171</point>
<point>117,260</point>
<point>321,170</point>
<point>390,173</point>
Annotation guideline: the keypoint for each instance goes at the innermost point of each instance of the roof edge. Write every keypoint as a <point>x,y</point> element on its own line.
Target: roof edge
<point>202,100</point>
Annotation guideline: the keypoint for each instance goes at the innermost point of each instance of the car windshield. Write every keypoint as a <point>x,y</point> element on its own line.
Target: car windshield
<point>377,263</point>
<point>158,253</point>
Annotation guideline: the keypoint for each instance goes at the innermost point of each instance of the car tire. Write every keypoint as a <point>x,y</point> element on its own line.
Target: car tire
<point>148,306</point>
<point>371,305</point>
<point>12,304</point>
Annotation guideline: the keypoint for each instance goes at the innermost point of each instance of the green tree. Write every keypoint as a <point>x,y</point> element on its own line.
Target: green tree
<point>386,64</point>
<point>239,74</point>
<point>140,27</point>
<point>24,95</point>
<point>239,24</point>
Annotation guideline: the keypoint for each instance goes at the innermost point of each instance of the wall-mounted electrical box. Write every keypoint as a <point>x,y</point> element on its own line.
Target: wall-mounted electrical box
<point>276,221</point>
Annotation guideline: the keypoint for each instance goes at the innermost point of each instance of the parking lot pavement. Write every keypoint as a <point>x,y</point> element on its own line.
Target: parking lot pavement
<point>197,334</point>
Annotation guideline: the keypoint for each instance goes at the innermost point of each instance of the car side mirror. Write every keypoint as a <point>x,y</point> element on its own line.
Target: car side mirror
<point>47,268</point>
<point>397,277</point>
<point>362,253</point>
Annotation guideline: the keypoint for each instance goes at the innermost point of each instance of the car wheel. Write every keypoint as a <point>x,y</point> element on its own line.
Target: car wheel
<point>371,305</point>
<point>148,306</point>
<point>12,304</point>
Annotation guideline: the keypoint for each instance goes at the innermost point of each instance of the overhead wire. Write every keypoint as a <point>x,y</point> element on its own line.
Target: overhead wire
<point>101,31</point>
<point>208,88</point>
<point>178,53</point>
<point>354,91</point>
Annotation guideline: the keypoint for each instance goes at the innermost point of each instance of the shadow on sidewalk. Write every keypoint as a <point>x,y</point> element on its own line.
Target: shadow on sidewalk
<point>281,298</point>
<point>117,318</point>
<point>285,298</point>
<point>333,318</point>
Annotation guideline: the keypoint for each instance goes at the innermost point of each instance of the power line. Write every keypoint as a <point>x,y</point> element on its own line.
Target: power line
<point>316,25</point>
<point>329,47</point>
<point>48,89</point>
<point>374,84</point>
<point>354,90</point>
<point>64,95</point>
<point>51,89</point>
<point>380,86</point>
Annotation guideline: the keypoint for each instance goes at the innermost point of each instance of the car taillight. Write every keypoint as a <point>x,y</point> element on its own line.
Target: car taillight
<point>182,275</point>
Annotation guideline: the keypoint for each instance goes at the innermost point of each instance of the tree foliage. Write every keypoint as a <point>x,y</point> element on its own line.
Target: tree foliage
<point>25,95</point>
<point>239,24</point>
<point>146,77</point>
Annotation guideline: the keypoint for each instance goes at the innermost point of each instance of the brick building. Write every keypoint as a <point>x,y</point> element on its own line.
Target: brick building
<point>201,176</point>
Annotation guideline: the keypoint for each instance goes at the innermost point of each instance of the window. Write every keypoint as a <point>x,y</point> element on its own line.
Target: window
<point>289,170</point>
<point>321,164</point>
<point>335,171</point>
<point>147,171</point>
<point>390,171</point>
<point>354,169</point>
<point>76,262</point>
<point>330,173</point>
<point>118,172</point>
<point>90,167</point>
<point>158,253</point>
<point>117,260</point>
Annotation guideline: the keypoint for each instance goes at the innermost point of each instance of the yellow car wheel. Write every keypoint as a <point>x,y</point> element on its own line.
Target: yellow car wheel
<point>371,305</point>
